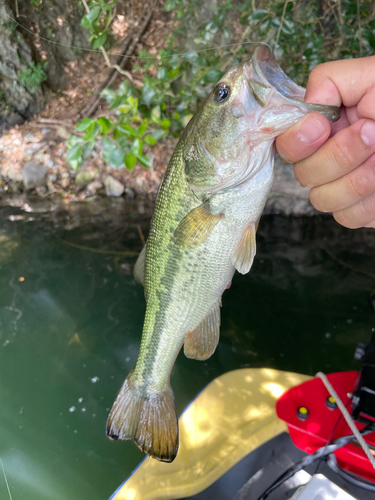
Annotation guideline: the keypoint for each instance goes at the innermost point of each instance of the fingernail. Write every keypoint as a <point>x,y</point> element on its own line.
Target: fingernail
<point>311,129</point>
<point>368,133</point>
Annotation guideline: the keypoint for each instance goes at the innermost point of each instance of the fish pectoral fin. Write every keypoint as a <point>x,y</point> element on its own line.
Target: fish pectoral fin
<point>150,420</point>
<point>139,268</point>
<point>202,342</point>
<point>244,253</point>
<point>195,227</point>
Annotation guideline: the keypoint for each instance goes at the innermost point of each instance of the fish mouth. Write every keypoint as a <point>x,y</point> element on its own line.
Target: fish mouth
<point>266,75</point>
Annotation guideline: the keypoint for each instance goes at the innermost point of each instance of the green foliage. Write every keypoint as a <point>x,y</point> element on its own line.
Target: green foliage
<point>98,20</point>
<point>34,75</point>
<point>305,34</point>
<point>122,141</point>
<point>301,33</point>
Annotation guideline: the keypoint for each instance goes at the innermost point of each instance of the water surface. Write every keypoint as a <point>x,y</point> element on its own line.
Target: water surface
<point>71,319</point>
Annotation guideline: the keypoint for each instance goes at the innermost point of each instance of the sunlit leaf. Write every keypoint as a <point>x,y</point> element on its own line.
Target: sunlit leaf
<point>142,129</point>
<point>99,41</point>
<point>137,146</point>
<point>165,124</point>
<point>130,161</point>
<point>105,124</point>
<point>84,124</point>
<point>150,140</point>
<point>172,73</point>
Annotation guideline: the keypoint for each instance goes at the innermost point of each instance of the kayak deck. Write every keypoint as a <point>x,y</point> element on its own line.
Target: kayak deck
<point>232,416</point>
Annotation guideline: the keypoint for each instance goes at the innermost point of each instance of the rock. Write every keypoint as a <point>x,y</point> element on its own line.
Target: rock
<point>34,175</point>
<point>65,183</point>
<point>63,133</point>
<point>33,148</point>
<point>113,187</point>
<point>287,197</point>
<point>52,177</point>
<point>29,137</point>
<point>15,175</point>
<point>129,193</point>
<point>50,163</point>
<point>83,177</point>
<point>46,131</point>
<point>94,186</point>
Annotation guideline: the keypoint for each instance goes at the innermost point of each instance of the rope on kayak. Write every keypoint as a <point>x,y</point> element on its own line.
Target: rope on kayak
<point>347,417</point>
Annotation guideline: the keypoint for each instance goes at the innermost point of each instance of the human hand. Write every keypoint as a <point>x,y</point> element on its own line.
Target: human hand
<point>338,162</point>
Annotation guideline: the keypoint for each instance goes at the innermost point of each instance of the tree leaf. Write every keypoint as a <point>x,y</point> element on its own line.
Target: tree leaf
<point>172,73</point>
<point>84,124</point>
<point>105,124</point>
<point>148,95</point>
<point>117,158</point>
<point>137,146</point>
<point>165,124</point>
<point>99,40</point>
<point>144,161</point>
<point>257,15</point>
<point>150,140</point>
<point>127,130</point>
<point>162,73</point>
<point>130,161</point>
<point>74,157</point>
<point>108,147</point>
<point>142,129</point>
<point>93,14</point>
<point>212,75</point>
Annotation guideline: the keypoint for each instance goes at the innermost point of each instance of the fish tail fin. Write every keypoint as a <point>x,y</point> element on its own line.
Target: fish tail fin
<point>150,420</point>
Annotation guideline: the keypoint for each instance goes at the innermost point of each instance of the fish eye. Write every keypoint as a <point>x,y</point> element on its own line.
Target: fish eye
<point>222,92</point>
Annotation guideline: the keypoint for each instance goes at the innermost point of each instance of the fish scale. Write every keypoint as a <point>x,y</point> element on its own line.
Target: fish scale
<point>203,229</point>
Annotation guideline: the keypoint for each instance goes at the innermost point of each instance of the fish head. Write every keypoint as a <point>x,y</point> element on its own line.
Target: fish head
<point>250,105</point>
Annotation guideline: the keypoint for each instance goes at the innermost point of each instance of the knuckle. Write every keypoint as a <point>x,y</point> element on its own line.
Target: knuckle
<point>368,207</point>
<point>301,175</point>
<point>362,180</point>
<point>318,201</point>
<point>355,185</point>
<point>342,155</point>
<point>344,220</point>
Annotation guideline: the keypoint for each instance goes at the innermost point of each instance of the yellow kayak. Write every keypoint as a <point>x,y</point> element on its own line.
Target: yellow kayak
<point>231,417</point>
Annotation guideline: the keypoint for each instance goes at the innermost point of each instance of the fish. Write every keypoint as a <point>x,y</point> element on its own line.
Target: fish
<point>202,230</point>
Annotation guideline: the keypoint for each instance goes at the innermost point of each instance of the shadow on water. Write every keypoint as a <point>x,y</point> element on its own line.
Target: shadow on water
<point>71,319</point>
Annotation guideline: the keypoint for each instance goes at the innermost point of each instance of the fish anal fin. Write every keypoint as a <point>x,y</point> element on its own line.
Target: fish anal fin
<point>195,227</point>
<point>201,343</point>
<point>150,420</point>
<point>139,268</point>
<point>244,253</point>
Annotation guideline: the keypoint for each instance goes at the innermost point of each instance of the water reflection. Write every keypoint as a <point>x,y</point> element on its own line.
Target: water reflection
<point>71,319</point>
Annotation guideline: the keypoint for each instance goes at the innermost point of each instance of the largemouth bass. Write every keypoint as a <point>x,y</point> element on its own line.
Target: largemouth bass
<point>202,230</point>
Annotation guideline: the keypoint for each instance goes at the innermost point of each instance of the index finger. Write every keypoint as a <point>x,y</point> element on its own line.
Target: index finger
<point>350,82</point>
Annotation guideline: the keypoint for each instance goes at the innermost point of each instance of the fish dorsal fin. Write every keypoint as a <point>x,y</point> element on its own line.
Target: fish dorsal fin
<point>202,342</point>
<point>245,251</point>
<point>195,227</point>
<point>139,268</point>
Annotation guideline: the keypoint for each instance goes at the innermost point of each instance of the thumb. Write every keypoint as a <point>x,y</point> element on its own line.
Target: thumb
<point>304,138</point>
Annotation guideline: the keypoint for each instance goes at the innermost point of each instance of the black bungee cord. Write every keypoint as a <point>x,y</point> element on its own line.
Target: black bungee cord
<point>309,459</point>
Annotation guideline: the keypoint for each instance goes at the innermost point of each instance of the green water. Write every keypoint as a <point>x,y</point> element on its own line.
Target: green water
<point>70,324</point>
